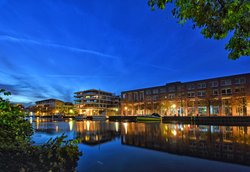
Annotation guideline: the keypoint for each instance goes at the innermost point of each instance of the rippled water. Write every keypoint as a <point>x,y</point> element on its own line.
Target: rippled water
<point>128,146</point>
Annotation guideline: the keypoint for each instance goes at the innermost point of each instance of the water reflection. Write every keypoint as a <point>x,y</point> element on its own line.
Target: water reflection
<point>221,143</point>
<point>231,144</point>
<point>95,132</point>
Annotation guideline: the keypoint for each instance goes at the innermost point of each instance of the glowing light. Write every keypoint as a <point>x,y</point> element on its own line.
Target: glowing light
<point>116,109</point>
<point>174,132</point>
<point>56,128</point>
<point>166,127</point>
<point>125,127</point>
<point>174,106</point>
<point>71,125</point>
<point>125,108</point>
<point>116,126</point>
<point>71,111</point>
<point>86,138</point>
<point>88,125</point>
<point>37,123</point>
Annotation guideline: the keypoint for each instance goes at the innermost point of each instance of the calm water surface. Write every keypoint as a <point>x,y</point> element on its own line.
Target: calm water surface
<point>127,146</point>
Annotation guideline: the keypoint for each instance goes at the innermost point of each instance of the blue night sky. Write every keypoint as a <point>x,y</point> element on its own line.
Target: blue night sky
<point>52,48</point>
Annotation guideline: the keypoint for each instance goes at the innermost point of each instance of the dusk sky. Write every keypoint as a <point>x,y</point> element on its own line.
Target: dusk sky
<point>52,48</point>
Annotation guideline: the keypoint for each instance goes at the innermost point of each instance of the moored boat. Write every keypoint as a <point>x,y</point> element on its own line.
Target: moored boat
<point>153,117</point>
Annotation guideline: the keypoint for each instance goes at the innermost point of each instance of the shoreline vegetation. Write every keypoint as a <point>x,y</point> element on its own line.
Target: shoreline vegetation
<point>17,153</point>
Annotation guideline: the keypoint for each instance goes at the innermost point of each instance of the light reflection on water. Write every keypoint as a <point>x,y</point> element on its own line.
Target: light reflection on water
<point>117,146</point>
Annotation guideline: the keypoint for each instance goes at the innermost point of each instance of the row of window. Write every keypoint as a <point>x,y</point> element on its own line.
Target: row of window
<point>190,94</point>
<point>213,84</point>
<point>215,92</point>
<point>202,109</point>
<point>202,85</point>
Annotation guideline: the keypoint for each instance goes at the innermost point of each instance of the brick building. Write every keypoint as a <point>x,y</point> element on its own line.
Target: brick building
<point>222,96</point>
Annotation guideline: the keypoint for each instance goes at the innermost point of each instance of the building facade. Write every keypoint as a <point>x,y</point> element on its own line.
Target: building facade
<point>53,107</point>
<point>96,102</point>
<point>224,96</point>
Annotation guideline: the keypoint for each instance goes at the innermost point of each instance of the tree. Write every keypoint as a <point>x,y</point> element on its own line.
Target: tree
<point>217,19</point>
<point>17,153</point>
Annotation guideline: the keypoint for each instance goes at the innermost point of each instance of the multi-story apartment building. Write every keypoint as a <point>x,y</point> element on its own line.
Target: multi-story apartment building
<point>96,102</point>
<point>223,96</point>
<point>52,107</point>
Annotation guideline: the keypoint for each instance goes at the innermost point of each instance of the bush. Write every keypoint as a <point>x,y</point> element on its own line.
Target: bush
<point>17,152</point>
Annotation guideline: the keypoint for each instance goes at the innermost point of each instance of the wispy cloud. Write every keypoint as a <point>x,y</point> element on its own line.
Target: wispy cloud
<point>157,67</point>
<point>44,43</point>
<point>80,76</point>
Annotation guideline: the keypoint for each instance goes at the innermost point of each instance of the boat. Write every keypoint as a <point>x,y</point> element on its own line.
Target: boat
<point>153,117</point>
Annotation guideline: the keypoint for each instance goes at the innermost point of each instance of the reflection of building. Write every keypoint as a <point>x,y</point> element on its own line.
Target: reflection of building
<point>94,132</point>
<point>96,102</point>
<point>230,144</point>
<point>225,96</point>
<point>53,106</point>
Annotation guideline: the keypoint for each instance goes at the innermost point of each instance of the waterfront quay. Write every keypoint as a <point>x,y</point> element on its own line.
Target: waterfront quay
<point>198,120</point>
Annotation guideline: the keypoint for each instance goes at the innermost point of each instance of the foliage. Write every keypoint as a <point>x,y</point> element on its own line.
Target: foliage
<point>13,127</point>
<point>217,19</point>
<point>17,152</point>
